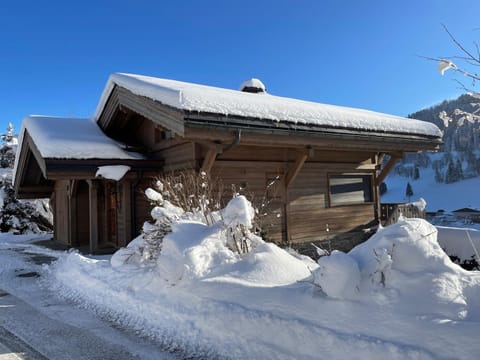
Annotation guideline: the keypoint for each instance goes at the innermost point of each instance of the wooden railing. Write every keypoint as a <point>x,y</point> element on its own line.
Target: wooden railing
<point>390,212</point>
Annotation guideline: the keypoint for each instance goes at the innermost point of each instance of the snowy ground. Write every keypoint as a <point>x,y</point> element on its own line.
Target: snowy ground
<point>397,296</point>
<point>36,324</point>
<point>449,197</point>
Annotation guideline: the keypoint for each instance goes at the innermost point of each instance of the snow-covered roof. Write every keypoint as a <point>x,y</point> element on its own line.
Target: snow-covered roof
<point>72,138</point>
<point>206,99</point>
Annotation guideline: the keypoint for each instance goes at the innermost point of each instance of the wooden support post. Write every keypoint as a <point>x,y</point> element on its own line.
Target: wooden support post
<point>209,160</point>
<point>295,169</point>
<point>388,167</point>
<point>93,203</point>
<point>394,157</point>
<point>285,183</point>
<point>292,173</point>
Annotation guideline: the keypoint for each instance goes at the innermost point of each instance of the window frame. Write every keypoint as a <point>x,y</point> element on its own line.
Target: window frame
<point>367,179</point>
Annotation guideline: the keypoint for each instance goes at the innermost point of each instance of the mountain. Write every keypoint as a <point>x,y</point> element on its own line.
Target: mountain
<point>459,119</point>
<point>448,179</point>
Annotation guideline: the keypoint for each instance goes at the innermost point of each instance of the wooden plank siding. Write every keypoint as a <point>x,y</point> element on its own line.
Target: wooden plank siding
<point>302,214</point>
<point>62,212</point>
<point>251,179</point>
<point>178,157</point>
<point>309,211</point>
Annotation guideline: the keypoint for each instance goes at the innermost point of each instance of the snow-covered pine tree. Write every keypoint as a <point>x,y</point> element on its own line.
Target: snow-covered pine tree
<point>409,191</point>
<point>450,175</point>
<point>459,170</point>
<point>18,216</point>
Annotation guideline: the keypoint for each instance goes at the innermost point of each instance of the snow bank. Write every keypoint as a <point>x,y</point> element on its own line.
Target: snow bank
<point>338,275</point>
<point>402,265</point>
<point>200,299</point>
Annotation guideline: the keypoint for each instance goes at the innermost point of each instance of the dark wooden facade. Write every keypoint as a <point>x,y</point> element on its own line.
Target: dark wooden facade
<point>325,181</point>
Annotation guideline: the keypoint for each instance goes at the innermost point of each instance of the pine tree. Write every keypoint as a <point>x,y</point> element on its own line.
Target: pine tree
<point>19,217</point>
<point>450,175</point>
<point>438,175</point>
<point>458,170</point>
<point>416,173</point>
<point>409,191</point>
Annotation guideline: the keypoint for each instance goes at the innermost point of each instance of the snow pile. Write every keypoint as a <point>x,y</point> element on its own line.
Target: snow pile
<point>396,296</point>
<point>192,250</point>
<point>112,172</point>
<point>253,85</point>
<point>402,265</point>
<point>420,204</point>
<point>338,275</point>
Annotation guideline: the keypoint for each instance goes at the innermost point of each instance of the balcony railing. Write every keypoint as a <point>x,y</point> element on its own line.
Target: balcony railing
<point>390,212</point>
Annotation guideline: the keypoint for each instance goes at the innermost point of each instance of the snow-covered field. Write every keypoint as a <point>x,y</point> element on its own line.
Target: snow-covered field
<point>397,296</point>
<point>448,197</point>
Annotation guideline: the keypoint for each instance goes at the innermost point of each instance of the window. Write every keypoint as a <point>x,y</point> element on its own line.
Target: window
<point>348,189</point>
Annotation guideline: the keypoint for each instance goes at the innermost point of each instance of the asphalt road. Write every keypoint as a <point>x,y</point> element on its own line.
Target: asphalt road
<point>37,325</point>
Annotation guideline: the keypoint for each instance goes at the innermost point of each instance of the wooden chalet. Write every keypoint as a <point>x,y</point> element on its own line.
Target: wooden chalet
<point>327,159</point>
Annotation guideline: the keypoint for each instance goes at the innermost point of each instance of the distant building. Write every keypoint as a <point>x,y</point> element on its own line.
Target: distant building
<point>467,214</point>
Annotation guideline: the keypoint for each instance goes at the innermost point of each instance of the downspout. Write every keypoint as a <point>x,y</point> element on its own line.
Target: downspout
<point>236,141</point>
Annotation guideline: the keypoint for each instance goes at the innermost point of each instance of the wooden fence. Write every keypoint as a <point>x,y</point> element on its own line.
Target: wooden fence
<point>390,212</point>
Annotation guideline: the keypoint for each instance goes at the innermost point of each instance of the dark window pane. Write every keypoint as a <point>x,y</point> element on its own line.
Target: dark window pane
<point>350,189</point>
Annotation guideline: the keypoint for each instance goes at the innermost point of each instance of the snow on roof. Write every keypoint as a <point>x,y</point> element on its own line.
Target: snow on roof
<point>207,99</point>
<point>72,138</point>
<point>253,83</point>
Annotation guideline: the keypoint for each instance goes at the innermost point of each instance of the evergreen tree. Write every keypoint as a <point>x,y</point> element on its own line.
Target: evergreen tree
<point>438,175</point>
<point>18,217</point>
<point>416,173</point>
<point>458,170</point>
<point>409,191</point>
<point>450,175</point>
<point>383,188</point>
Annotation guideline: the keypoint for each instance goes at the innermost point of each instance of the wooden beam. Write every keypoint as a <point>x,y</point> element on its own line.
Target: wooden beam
<point>295,169</point>
<point>291,174</point>
<point>209,160</point>
<point>394,157</point>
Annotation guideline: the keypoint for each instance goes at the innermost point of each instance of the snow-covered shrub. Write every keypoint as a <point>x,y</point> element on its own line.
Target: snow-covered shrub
<point>338,275</point>
<point>196,242</point>
<point>238,218</point>
<point>194,193</point>
<point>189,197</point>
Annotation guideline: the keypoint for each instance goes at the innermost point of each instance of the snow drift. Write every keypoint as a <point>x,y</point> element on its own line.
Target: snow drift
<point>402,262</point>
<point>389,297</point>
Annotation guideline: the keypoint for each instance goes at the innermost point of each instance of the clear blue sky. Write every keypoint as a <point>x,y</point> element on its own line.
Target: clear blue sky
<point>56,56</point>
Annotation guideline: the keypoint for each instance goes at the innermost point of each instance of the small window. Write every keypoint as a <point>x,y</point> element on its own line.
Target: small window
<point>348,189</point>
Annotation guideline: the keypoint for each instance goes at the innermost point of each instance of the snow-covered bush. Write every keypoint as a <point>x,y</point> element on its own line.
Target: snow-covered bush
<point>180,246</point>
<point>188,197</point>
<point>403,258</point>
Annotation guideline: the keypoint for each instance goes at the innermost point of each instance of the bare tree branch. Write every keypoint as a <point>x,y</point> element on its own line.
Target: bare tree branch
<point>459,45</point>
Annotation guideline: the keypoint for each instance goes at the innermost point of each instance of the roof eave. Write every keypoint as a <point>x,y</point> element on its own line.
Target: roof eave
<point>294,133</point>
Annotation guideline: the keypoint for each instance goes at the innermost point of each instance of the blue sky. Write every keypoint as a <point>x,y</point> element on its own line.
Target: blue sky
<point>56,56</point>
